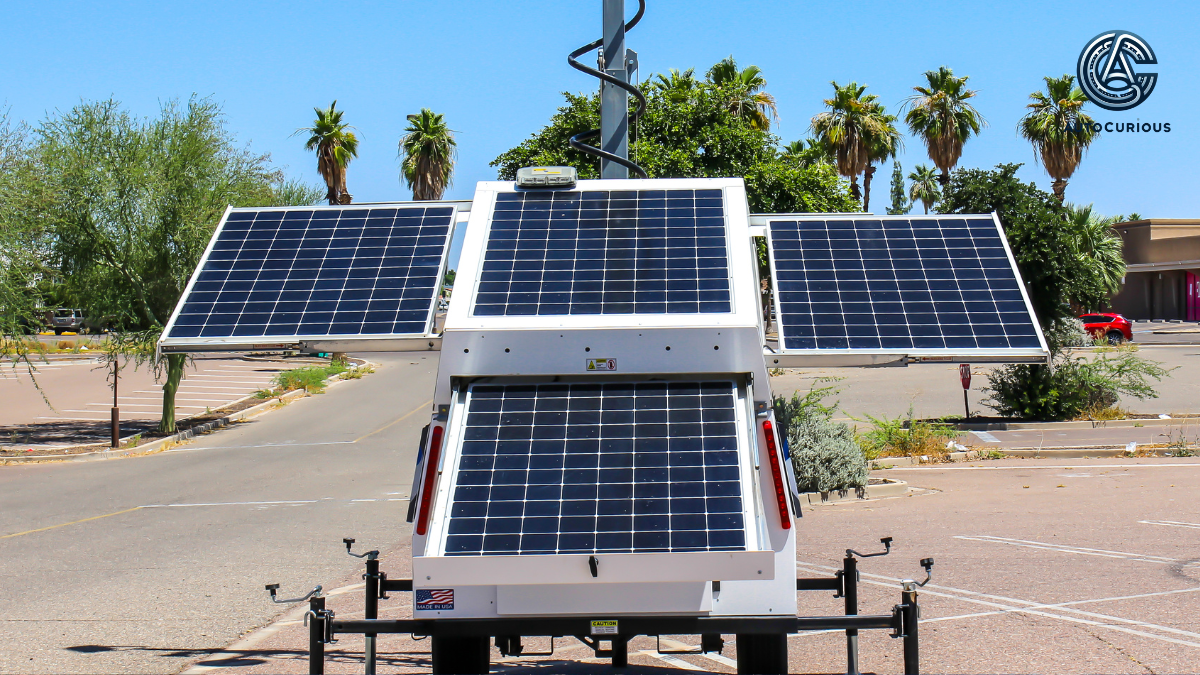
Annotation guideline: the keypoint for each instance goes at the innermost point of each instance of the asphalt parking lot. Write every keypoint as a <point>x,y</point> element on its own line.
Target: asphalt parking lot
<point>1041,567</point>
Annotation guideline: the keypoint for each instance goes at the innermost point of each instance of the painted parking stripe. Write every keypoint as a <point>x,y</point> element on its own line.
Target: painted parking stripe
<point>985,437</point>
<point>1030,608</point>
<point>1171,523</point>
<point>1062,548</point>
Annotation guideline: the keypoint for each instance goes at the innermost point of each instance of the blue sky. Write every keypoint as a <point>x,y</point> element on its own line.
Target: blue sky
<point>497,70</point>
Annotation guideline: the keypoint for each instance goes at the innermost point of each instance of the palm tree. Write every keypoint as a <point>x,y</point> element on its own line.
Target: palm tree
<point>809,152</point>
<point>1058,128</point>
<point>427,154</point>
<point>335,145</point>
<point>883,146</point>
<point>941,115</point>
<point>850,128</point>
<point>677,86</point>
<point>748,100</point>
<point>924,186</point>
<point>1098,245</point>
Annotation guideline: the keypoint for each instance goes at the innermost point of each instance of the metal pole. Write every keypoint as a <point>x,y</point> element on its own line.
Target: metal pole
<point>850,591</point>
<point>614,101</point>
<point>316,636</point>
<point>912,655</point>
<point>372,610</point>
<point>116,412</point>
<point>966,406</point>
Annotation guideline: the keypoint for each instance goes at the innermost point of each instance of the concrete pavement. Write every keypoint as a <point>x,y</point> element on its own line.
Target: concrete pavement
<point>142,565</point>
<point>77,398</point>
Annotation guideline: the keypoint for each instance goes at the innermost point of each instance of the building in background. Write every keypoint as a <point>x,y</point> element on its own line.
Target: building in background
<point>1162,279</point>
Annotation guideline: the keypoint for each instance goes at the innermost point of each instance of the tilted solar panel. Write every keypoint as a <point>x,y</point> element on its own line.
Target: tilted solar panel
<point>605,252</point>
<point>936,284</point>
<point>305,273</point>
<point>588,468</point>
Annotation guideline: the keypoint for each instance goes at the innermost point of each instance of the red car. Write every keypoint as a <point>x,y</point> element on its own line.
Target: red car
<point>1114,327</point>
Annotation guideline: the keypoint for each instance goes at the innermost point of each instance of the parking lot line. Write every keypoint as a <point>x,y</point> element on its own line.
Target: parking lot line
<point>1171,523</point>
<point>1033,608</point>
<point>1062,548</point>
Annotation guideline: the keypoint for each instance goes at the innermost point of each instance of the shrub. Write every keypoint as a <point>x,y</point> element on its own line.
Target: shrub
<point>1074,385</point>
<point>825,455</point>
<point>906,437</point>
<point>309,378</point>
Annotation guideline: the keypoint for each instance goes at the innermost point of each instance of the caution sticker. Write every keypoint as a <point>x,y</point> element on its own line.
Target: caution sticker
<point>604,628</point>
<point>594,365</point>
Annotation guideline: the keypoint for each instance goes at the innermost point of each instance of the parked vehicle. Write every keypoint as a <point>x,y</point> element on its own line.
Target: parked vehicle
<point>63,320</point>
<point>1112,327</point>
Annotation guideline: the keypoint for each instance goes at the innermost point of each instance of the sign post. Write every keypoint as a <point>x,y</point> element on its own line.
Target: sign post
<point>964,374</point>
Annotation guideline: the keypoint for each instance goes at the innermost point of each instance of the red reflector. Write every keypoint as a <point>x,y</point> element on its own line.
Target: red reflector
<point>785,518</point>
<point>431,464</point>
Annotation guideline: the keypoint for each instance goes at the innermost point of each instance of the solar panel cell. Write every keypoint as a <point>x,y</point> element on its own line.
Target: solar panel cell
<point>620,252</point>
<point>318,272</point>
<point>897,284</point>
<point>588,468</point>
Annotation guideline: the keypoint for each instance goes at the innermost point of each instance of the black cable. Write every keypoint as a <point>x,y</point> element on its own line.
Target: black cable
<point>576,141</point>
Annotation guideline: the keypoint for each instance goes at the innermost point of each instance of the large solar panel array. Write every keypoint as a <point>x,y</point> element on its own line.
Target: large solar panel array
<point>941,283</point>
<point>586,468</point>
<point>318,272</point>
<point>610,252</point>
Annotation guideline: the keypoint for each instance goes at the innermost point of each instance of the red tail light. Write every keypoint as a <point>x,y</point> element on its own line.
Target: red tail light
<point>785,518</point>
<point>431,464</point>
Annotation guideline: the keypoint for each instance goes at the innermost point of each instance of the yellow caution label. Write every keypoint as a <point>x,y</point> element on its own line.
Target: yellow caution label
<point>604,628</point>
<point>609,365</point>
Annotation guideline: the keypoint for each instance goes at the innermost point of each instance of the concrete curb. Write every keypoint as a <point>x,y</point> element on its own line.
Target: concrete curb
<point>161,444</point>
<point>892,488</point>
<point>1085,424</point>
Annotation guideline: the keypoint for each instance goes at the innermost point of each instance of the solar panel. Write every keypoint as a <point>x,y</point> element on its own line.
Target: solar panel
<point>605,252</point>
<point>587,468</point>
<point>317,272</point>
<point>869,283</point>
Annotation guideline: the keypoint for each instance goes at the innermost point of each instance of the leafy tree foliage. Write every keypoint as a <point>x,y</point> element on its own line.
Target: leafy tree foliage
<point>124,207</point>
<point>335,145</point>
<point>689,132</point>
<point>900,202</point>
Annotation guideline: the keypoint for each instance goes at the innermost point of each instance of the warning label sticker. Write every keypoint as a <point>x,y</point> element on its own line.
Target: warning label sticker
<point>604,628</point>
<point>601,364</point>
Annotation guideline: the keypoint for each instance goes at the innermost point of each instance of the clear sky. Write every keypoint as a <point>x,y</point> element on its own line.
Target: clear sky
<point>497,69</point>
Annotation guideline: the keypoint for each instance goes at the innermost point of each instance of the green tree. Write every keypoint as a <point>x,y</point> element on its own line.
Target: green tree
<point>335,146</point>
<point>854,128</point>
<point>1058,129</point>
<point>427,154</point>
<point>809,151</point>
<point>882,146</point>
<point>942,116</point>
<point>130,204</point>
<point>1099,247</point>
<point>698,137</point>
<point>676,86</point>
<point>924,187</point>
<point>744,89</point>
<point>23,275</point>
<point>900,202</point>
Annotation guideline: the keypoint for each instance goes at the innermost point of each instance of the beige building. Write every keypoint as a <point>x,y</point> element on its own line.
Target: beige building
<point>1162,279</point>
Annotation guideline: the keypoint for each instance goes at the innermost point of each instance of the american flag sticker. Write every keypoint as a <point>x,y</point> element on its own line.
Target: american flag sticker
<point>440,598</point>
